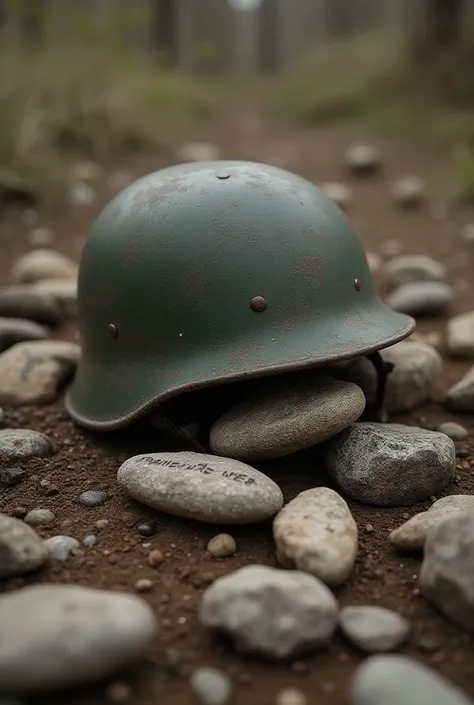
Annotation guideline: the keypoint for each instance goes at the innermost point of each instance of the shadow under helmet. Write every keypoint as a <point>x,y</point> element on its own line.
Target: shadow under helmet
<point>213,272</point>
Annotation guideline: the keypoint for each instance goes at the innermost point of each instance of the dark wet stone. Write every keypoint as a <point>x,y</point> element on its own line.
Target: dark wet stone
<point>93,498</point>
<point>12,476</point>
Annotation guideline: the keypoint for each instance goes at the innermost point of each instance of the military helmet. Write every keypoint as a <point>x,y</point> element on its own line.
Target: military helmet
<point>213,272</point>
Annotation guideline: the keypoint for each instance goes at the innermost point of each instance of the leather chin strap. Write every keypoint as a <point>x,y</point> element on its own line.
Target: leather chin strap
<point>187,435</point>
<point>382,369</point>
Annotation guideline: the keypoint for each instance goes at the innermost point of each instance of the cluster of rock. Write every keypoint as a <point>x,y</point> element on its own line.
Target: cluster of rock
<point>418,288</point>
<point>42,296</point>
<point>279,613</point>
<point>362,160</point>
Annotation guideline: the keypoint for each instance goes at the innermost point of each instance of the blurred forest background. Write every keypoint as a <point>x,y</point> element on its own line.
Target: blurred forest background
<point>97,78</point>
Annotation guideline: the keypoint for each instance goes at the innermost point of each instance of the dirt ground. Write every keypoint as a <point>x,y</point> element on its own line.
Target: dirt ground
<point>86,461</point>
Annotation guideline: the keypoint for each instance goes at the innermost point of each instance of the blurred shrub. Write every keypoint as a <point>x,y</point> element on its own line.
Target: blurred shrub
<point>371,79</point>
<point>90,87</point>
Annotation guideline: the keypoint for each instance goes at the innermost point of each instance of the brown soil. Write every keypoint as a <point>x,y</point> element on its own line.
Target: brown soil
<point>85,461</point>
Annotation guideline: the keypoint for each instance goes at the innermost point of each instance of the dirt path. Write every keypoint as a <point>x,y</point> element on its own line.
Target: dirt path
<point>86,462</point>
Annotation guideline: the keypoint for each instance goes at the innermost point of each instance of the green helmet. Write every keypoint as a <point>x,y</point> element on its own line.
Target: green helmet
<point>214,272</point>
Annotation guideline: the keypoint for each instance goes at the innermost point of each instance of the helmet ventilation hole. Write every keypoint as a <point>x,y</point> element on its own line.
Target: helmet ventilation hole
<point>113,332</point>
<point>357,285</point>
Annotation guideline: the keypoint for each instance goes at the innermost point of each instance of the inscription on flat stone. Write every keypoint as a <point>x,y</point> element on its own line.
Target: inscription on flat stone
<point>199,486</point>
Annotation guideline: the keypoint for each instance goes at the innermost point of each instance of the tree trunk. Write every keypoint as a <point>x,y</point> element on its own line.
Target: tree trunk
<point>340,18</point>
<point>30,20</point>
<point>437,26</point>
<point>162,28</point>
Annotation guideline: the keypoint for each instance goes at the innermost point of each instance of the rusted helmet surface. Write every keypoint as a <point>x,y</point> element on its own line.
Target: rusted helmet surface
<point>213,272</point>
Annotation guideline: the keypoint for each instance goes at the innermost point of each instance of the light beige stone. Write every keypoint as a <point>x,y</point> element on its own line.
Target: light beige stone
<point>317,534</point>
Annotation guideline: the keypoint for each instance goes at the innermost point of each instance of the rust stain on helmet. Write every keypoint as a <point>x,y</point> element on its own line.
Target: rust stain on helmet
<point>193,286</point>
<point>307,268</point>
<point>294,311</point>
<point>133,250</point>
<point>243,354</point>
<point>359,321</point>
<point>153,196</point>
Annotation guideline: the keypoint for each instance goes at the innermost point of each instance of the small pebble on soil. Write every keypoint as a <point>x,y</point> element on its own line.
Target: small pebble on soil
<point>374,629</point>
<point>40,517</point>
<point>93,498</point>
<point>17,444</point>
<point>222,546</point>
<point>211,686</point>
<point>155,558</point>
<point>291,696</point>
<point>454,430</point>
<point>144,585</point>
<point>188,484</point>
<point>60,547</point>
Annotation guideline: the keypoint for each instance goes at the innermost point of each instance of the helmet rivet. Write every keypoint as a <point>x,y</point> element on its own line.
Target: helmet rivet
<point>258,303</point>
<point>357,284</point>
<point>223,177</point>
<point>112,330</point>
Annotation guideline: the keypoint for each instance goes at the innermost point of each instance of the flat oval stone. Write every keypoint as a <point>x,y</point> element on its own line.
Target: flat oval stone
<point>421,298</point>
<point>62,291</point>
<point>412,534</point>
<point>317,534</point>
<point>61,636</point>
<point>339,192</point>
<point>21,301</point>
<point>413,268</point>
<point>40,517</point>
<point>22,444</point>
<point>17,330</point>
<point>454,430</point>
<point>202,487</point>
<point>362,158</point>
<point>285,416</point>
